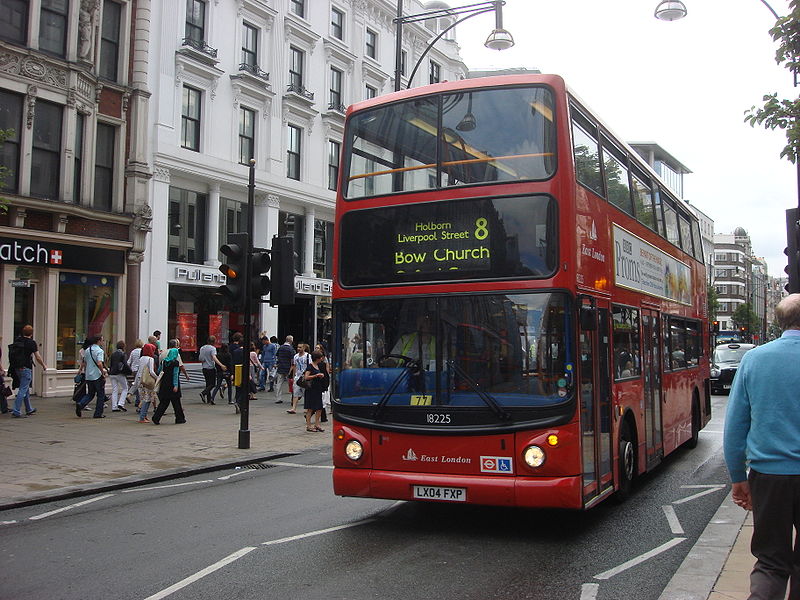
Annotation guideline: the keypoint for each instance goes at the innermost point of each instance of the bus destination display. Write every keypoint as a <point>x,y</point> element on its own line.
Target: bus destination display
<point>442,245</point>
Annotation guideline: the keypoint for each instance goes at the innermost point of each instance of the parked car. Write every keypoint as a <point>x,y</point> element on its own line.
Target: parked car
<point>724,363</point>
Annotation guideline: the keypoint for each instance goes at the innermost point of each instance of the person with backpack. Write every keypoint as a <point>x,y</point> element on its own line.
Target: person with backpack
<point>95,368</point>
<point>21,355</point>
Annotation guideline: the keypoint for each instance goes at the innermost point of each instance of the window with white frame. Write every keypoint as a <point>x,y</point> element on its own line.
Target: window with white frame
<point>249,46</point>
<point>334,149</point>
<point>435,73</point>
<point>371,49</point>
<point>370,92</point>
<point>298,7</point>
<point>46,152</point>
<point>337,23</point>
<point>335,97</point>
<point>293,150</point>
<point>186,226</point>
<point>11,121</point>
<point>196,21</point>
<point>190,118</point>
<point>109,40</point>
<point>53,26</point>
<point>14,21</point>
<point>296,60</point>
<point>104,167</point>
<point>247,135</point>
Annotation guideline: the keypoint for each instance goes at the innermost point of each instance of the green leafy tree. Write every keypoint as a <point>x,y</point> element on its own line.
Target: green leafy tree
<point>744,316</point>
<point>783,113</point>
<point>713,303</point>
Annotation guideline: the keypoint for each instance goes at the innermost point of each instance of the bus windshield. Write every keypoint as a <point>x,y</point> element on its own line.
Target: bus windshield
<point>462,138</point>
<point>501,350</point>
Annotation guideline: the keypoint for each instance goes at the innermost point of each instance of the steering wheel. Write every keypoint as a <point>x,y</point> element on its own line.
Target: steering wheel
<point>407,360</point>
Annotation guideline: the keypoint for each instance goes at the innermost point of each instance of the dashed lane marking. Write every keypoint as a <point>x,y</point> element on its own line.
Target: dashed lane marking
<point>70,507</point>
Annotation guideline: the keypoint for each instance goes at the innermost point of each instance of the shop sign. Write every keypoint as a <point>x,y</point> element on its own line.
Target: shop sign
<point>313,286</point>
<point>196,275</point>
<point>15,283</point>
<point>62,256</point>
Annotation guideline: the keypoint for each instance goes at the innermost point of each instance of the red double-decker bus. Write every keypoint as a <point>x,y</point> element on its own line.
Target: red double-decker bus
<point>519,301</point>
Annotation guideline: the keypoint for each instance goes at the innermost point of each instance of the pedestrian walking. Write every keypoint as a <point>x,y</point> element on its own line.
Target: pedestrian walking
<point>5,391</point>
<point>283,358</point>
<point>146,380</point>
<point>762,430</point>
<point>21,355</point>
<point>224,374</point>
<point>209,363</point>
<point>255,371</point>
<point>169,389</point>
<point>133,363</point>
<point>268,360</point>
<point>118,373</point>
<point>316,375</point>
<point>93,365</point>
<point>300,362</point>
<point>326,395</point>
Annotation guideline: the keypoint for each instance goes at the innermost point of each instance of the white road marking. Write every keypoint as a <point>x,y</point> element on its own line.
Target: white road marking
<point>161,487</point>
<point>589,591</point>
<point>289,464</point>
<point>639,559</point>
<point>672,519</point>
<point>703,486</point>
<point>235,473</point>
<point>71,506</point>
<point>315,533</point>
<point>200,574</point>
<point>7,522</point>
<point>713,489</point>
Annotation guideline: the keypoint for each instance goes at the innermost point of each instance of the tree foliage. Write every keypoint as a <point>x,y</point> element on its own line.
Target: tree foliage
<point>744,316</point>
<point>783,113</point>
<point>713,303</point>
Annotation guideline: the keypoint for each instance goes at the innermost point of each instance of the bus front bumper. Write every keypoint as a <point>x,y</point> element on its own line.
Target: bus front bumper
<point>530,492</point>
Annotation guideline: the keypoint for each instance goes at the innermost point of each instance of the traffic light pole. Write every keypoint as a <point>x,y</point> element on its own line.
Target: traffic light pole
<point>244,390</point>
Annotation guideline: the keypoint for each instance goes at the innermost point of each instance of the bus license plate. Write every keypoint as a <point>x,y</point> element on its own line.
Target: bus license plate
<point>429,492</point>
<point>726,386</point>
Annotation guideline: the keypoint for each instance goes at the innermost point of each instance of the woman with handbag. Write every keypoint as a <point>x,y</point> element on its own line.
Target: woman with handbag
<point>146,381</point>
<point>300,362</point>
<point>169,387</point>
<point>314,381</point>
<point>118,373</point>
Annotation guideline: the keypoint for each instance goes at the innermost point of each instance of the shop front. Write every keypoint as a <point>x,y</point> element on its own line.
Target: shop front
<point>67,292</point>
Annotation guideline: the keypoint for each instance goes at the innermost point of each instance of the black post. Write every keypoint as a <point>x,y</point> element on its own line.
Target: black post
<point>398,47</point>
<point>244,390</point>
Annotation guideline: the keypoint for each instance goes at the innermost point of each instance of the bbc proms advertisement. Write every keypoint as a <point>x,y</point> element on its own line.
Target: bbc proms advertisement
<point>643,267</point>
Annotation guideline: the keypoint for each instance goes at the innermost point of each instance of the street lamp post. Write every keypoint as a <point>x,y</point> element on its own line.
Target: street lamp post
<point>499,38</point>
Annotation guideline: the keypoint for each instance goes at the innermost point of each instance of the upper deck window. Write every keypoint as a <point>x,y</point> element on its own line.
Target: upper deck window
<point>461,138</point>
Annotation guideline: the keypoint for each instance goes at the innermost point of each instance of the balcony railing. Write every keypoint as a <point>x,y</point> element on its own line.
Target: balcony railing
<point>200,46</point>
<point>300,90</point>
<point>254,70</point>
<point>338,107</point>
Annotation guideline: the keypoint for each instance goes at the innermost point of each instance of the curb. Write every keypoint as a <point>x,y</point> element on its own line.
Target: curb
<point>695,578</point>
<point>134,481</point>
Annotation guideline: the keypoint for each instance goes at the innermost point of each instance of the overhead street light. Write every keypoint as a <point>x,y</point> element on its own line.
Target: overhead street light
<point>499,39</point>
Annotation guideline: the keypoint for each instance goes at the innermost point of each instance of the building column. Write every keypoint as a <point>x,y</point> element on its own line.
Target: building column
<point>308,254</point>
<point>154,294</point>
<point>212,226</point>
<point>268,315</point>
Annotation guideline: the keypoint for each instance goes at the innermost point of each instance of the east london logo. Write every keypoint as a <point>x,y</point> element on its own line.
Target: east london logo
<point>30,254</point>
<point>412,456</point>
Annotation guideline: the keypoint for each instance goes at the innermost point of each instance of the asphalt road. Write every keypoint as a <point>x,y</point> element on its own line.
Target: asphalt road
<point>279,532</point>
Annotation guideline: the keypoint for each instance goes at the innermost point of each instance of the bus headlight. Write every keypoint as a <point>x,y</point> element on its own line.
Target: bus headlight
<point>353,449</point>
<point>534,456</point>
<point>715,373</point>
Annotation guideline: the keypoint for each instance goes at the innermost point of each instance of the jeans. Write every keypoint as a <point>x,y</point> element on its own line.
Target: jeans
<point>217,388</point>
<point>210,377</point>
<point>147,396</point>
<point>95,388</point>
<point>24,392</point>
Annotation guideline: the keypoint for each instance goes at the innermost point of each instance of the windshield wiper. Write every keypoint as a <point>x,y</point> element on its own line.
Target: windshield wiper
<point>483,395</point>
<point>385,398</point>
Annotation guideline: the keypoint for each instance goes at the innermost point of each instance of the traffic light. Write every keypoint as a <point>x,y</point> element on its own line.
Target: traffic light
<point>715,327</point>
<point>792,251</point>
<point>234,270</point>
<point>282,271</point>
<point>259,268</point>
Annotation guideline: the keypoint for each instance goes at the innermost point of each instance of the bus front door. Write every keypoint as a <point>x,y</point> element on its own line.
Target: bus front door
<point>651,368</point>
<point>596,415</point>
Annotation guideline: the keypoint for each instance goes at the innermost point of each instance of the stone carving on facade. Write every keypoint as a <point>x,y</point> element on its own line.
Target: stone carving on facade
<point>161,174</point>
<point>86,19</point>
<point>140,227</point>
<point>33,67</point>
<point>98,92</point>
<point>273,201</point>
<point>33,91</point>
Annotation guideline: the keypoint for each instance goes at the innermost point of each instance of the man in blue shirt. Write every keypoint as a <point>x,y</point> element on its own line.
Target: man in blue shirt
<point>269,349</point>
<point>95,369</point>
<point>762,431</point>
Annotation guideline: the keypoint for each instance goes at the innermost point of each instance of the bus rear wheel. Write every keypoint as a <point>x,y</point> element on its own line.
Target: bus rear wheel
<point>627,462</point>
<point>692,441</point>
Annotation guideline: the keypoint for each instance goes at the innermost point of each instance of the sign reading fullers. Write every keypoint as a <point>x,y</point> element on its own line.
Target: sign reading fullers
<point>640,266</point>
<point>446,245</point>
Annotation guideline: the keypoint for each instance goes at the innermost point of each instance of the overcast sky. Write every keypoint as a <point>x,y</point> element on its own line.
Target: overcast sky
<point>684,85</point>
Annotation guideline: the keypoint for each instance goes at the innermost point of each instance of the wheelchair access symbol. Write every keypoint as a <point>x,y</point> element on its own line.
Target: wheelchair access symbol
<point>496,464</point>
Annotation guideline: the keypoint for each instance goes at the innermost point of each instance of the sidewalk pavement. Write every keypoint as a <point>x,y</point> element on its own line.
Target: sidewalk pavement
<point>55,455</point>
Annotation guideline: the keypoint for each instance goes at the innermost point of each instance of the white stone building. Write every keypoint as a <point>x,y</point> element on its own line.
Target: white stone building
<point>268,79</point>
